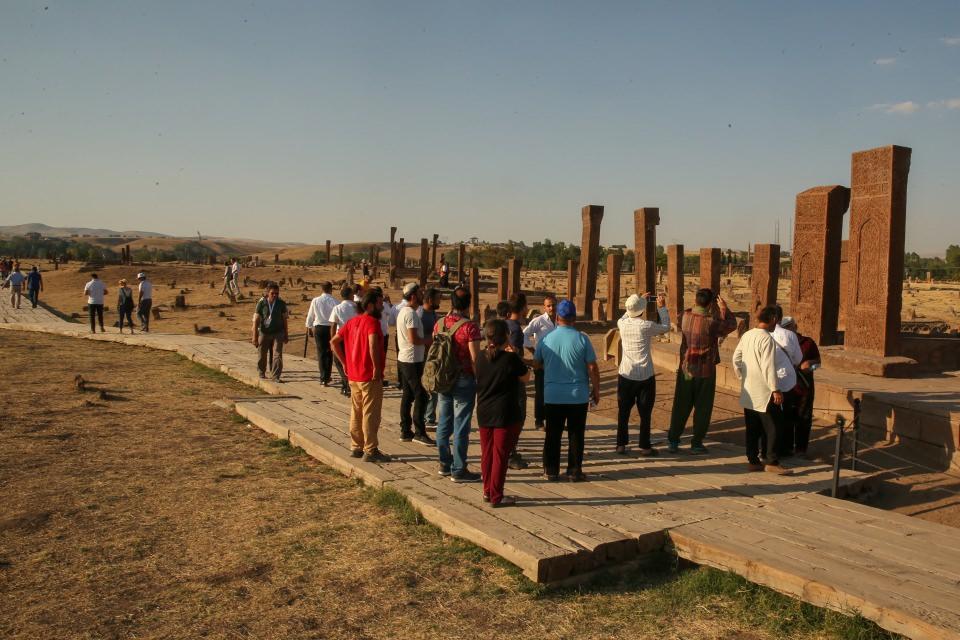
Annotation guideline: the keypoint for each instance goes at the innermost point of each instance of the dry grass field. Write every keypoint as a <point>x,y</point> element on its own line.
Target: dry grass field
<point>138,509</point>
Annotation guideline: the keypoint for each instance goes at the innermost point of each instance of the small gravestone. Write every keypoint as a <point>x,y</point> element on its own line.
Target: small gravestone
<point>180,302</point>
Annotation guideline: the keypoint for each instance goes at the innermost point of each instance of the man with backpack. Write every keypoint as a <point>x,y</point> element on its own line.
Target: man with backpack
<point>450,372</point>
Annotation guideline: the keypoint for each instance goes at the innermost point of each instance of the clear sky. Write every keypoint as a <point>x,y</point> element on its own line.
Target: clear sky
<point>304,121</point>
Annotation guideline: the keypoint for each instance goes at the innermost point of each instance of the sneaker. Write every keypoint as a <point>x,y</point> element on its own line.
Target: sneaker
<point>444,471</point>
<point>376,456</point>
<point>517,463</point>
<point>754,466</point>
<point>486,498</point>
<point>465,476</point>
<point>356,453</point>
<point>506,501</point>
<point>406,437</point>
<point>431,423</point>
<point>673,447</point>
<point>698,450</point>
<point>424,439</point>
<point>777,469</point>
<point>579,476</point>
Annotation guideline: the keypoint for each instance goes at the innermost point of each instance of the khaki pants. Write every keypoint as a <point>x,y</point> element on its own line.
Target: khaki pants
<point>366,399</point>
<point>271,343</point>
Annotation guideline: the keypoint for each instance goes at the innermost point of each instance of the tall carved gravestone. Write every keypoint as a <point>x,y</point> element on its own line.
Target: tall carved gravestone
<point>461,263</point>
<point>815,283</point>
<point>513,277</point>
<point>502,275</point>
<point>402,253</point>
<point>878,211</point>
<point>393,246</point>
<point>340,254</point>
<point>424,262</point>
<point>433,254</point>
<point>710,269</point>
<point>572,268</point>
<point>614,265</point>
<point>475,294</point>
<point>645,223</point>
<point>328,252</point>
<point>765,276</point>
<point>675,283</point>
<point>592,215</point>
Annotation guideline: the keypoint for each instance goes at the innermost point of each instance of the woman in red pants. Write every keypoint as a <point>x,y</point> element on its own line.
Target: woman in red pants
<point>499,369</point>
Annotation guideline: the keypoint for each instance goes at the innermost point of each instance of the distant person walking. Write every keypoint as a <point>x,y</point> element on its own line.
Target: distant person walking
<point>227,279</point>
<point>144,301</point>
<point>15,281</point>
<point>538,329</point>
<point>235,276</point>
<point>358,346</point>
<point>319,326</point>
<point>636,378</point>
<point>428,316</point>
<point>34,286</point>
<point>95,291</point>
<point>443,270</point>
<point>571,381</point>
<point>457,403</point>
<point>340,316</point>
<point>500,374</point>
<point>270,331</point>
<point>701,326</point>
<point>124,305</point>
<point>754,363</point>
<point>412,342</point>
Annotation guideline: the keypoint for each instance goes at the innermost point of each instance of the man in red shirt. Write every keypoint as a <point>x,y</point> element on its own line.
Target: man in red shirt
<point>358,345</point>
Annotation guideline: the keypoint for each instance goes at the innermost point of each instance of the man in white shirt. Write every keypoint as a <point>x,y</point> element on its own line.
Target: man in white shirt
<point>538,329</point>
<point>235,281</point>
<point>755,365</point>
<point>337,318</point>
<point>319,326</point>
<point>15,282</point>
<point>144,301</point>
<point>95,292</point>
<point>411,351</point>
<point>636,379</point>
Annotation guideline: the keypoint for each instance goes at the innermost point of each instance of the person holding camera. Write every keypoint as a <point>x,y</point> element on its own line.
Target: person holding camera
<point>702,327</point>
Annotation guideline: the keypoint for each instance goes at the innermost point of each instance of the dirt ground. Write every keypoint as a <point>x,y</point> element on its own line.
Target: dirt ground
<point>138,509</point>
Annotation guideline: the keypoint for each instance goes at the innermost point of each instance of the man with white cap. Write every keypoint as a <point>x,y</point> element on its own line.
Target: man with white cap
<point>144,301</point>
<point>411,347</point>
<point>636,382</point>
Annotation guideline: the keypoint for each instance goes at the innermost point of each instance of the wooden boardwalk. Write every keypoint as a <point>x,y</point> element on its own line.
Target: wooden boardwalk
<point>781,532</point>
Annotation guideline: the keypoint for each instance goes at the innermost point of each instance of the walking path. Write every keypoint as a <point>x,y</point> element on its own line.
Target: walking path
<point>781,532</point>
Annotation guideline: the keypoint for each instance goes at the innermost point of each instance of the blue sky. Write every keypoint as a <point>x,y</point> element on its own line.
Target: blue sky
<point>306,121</point>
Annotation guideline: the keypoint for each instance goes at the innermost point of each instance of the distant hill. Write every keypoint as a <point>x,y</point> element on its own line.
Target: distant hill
<point>65,232</point>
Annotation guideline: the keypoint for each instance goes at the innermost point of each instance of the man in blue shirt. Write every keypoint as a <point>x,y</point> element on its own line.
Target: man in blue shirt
<point>571,381</point>
<point>34,286</point>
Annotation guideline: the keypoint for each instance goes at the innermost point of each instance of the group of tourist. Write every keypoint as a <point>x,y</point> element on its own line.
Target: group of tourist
<point>96,292</point>
<point>11,277</point>
<point>451,371</point>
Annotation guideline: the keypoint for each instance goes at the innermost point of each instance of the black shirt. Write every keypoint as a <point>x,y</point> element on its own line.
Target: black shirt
<point>498,394</point>
<point>515,338</point>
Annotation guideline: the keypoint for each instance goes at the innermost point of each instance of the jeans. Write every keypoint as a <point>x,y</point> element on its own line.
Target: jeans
<point>414,397</point>
<point>271,343</point>
<point>430,413</point>
<point>127,313</point>
<point>761,433</point>
<point>143,313</point>
<point>574,416</point>
<point>96,313</point>
<point>34,296</point>
<point>321,334</point>
<point>456,411</point>
<point>640,394</point>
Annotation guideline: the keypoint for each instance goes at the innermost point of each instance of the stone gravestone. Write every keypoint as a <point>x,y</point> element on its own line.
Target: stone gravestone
<point>424,262</point>
<point>572,267</point>
<point>461,263</point>
<point>764,279</point>
<point>592,216</point>
<point>401,253</point>
<point>393,246</point>
<point>513,278</point>
<point>502,274</point>
<point>340,254</point>
<point>328,252</point>
<point>614,264</point>
<point>433,254</point>
<point>878,211</point>
<point>675,283</point>
<point>710,269</point>
<point>815,285</point>
<point>645,223</point>
<point>475,294</point>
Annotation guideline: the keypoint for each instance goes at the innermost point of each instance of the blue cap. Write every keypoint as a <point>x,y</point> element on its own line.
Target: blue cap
<point>567,310</point>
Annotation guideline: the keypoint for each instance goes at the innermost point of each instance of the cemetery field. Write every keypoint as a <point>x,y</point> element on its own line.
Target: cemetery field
<point>137,508</point>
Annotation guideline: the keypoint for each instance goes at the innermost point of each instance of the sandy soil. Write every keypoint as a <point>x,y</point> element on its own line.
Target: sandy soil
<point>138,509</point>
